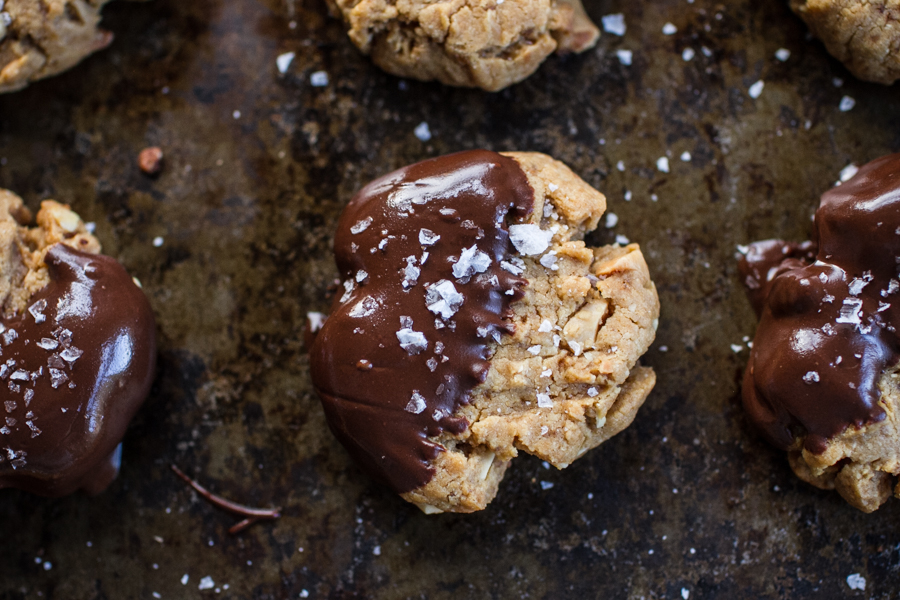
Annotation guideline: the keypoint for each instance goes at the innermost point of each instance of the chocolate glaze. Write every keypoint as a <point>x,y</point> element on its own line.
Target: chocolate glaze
<point>383,401</point>
<point>74,368</point>
<point>829,313</point>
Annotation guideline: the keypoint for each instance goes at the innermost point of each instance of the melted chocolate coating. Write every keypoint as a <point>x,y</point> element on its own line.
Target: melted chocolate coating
<point>74,368</point>
<point>829,312</point>
<point>382,400</point>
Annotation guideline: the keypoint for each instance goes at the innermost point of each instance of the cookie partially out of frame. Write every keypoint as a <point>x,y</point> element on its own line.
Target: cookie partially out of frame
<point>489,44</point>
<point>77,352</point>
<point>41,38</point>
<point>823,379</point>
<point>475,324</point>
<point>862,34</point>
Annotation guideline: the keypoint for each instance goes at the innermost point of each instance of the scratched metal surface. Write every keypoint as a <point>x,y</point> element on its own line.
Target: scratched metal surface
<point>688,502</point>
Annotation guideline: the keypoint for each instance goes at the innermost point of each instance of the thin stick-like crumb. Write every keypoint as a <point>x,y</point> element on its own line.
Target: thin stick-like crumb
<point>252,514</point>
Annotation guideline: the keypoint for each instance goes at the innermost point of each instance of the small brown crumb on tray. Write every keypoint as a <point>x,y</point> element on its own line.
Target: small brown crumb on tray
<point>150,160</point>
<point>252,515</point>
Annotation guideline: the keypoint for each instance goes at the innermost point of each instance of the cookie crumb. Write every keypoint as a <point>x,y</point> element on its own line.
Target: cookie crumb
<point>150,160</point>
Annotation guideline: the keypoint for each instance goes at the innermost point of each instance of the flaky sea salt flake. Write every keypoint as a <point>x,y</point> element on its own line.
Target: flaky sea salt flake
<point>543,401</point>
<point>47,344</point>
<point>443,299</point>
<point>614,24</point>
<point>361,226</point>
<point>37,310</point>
<point>428,237</point>
<point>856,581</point>
<point>625,57</point>
<point>471,261</point>
<point>71,354</point>
<point>57,378</point>
<point>529,239</point>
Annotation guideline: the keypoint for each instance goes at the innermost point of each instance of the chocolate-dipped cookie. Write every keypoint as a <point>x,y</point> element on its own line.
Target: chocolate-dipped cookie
<point>822,380</point>
<point>474,323</point>
<point>77,353</point>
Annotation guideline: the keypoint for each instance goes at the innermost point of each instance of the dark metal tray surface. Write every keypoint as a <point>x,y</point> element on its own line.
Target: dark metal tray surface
<point>232,245</point>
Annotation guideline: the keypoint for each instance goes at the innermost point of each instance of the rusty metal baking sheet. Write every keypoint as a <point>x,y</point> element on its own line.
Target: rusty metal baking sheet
<point>232,245</point>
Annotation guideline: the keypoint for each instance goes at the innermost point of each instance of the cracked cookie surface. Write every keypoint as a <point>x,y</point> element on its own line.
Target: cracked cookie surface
<point>863,34</point>
<point>489,44</point>
<point>39,39</point>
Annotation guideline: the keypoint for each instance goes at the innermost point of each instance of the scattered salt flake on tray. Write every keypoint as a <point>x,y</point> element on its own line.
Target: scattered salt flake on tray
<point>856,581</point>
<point>756,89</point>
<point>318,79</point>
<point>628,195</point>
<point>206,583</point>
<point>612,219</point>
<point>621,166</point>
<point>848,172</point>
<point>669,29</point>
<point>622,240</point>
<point>625,57</point>
<point>546,485</point>
<point>283,62</point>
<point>529,239</point>
<point>184,579</point>
<point>688,54</point>
<point>422,132</point>
<point>837,82</point>
<point>614,24</point>
<point>416,404</point>
<point>685,156</point>
<point>782,54</point>
<point>847,103</point>
<point>685,593</point>
<point>158,242</point>
<point>736,348</point>
<point>662,163</point>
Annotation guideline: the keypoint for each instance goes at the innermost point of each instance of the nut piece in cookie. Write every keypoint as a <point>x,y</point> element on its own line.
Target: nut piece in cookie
<point>489,44</point>
<point>475,323</point>
<point>77,353</point>
<point>41,39</point>
<point>862,34</point>
<point>822,381</point>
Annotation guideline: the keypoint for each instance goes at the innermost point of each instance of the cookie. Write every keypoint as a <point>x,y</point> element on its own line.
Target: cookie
<point>862,34</point>
<point>823,380</point>
<point>41,39</point>
<point>475,323</point>
<point>77,353</point>
<point>489,44</point>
